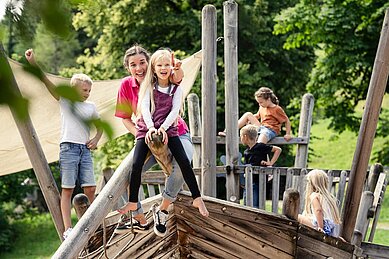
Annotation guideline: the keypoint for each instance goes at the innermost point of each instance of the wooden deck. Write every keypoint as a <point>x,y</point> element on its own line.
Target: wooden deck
<point>230,231</point>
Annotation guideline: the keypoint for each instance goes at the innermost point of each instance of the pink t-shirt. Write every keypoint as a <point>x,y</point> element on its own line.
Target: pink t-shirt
<point>127,101</point>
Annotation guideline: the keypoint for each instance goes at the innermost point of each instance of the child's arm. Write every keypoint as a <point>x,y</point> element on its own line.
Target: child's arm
<point>29,54</point>
<point>317,210</point>
<point>277,151</point>
<point>92,143</point>
<point>287,136</point>
<point>177,72</point>
<point>130,125</point>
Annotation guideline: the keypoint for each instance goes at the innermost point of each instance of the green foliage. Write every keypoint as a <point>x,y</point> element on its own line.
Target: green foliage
<point>345,35</point>
<point>6,233</point>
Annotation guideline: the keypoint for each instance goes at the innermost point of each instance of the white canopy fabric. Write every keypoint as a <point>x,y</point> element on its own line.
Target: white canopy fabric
<point>45,115</point>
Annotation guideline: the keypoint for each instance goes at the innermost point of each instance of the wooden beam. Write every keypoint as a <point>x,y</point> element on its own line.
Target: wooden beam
<point>230,14</point>
<point>367,131</point>
<point>276,141</point>
<point>35,153</point>
<point>208,97</point>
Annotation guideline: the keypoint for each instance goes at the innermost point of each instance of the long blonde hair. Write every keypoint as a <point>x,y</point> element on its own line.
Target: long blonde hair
<point>317,181</point>
<point>151,78</point>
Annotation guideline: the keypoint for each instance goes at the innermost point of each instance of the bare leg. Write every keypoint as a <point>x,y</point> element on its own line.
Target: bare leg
<point>199,203</point>
<point>66,196</point>
<point>248,118</point>
<point>262,139</point>
<point>165,204</point>
<point>141,218</point>
<point>90,192</point>
<point>305,220</point>
<point>126,208</point>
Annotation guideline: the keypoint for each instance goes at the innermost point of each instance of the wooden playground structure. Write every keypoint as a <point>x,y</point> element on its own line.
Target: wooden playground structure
<point>233,230</point>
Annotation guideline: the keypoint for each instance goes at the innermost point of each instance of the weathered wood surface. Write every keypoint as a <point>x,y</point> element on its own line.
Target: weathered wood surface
<point>375,251</point>
<point>230,14</point>
<point>233,230</point>
<point>208,99</point>
<point>196,139</point>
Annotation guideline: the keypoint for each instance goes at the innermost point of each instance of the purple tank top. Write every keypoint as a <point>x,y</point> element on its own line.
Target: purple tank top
<point>163,106</point>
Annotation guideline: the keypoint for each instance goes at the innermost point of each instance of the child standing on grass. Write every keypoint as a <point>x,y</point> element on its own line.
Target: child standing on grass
<point>257,154</point>
<point>75,157</point>
<point>272,116</point>
<point>320,211</point>
<point>158,108</point>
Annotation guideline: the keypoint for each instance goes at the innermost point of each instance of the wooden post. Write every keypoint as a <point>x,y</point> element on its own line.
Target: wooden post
<point>304,130</point>
<point>367,131</point>
<point>195,126</point>
<point>363,214</point>
<point>374,174</point>
<point>231,96</point>
<point>208,109</point>
<point>35,153</point>
<point>291,203</point>
<point>249,185</point>
<point>94,216</point>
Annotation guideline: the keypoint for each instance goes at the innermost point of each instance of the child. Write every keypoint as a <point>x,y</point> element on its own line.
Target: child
<point>272,117</point>
<point>320,211</point>
<point>75,158</point>
<point>256,154</point>
<point>158,109</point>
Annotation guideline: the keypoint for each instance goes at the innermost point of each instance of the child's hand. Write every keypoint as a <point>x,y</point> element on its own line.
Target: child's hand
<point>29,54</point>
<point>162,131</point>
<point>149,134</point>
<point>266,163</point>
<point>92,143</point>
<point>287,137</point>
<point>176,63</point>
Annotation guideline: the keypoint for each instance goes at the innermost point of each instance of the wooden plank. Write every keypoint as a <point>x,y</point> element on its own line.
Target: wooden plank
<point>276,141</point>
<point>276,190</point>
<point>195,125</point>
<point>262,189</point>
<point>377,203</point>
<point>249,186</point>
<point>375,251</point>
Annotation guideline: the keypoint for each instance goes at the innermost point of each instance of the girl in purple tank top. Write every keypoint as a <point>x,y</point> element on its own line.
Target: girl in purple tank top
<point>159,105</point>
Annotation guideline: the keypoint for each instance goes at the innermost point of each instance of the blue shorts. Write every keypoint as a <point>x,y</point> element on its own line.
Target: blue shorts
<point>329,228</point>
<point>269,133</point>
<point>75,163</point>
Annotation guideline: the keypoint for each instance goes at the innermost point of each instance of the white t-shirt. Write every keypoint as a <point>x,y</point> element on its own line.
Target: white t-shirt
<point>73,128</point>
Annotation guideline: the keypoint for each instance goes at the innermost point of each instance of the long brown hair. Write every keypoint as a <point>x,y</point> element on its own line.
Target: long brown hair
<point>267,93</point>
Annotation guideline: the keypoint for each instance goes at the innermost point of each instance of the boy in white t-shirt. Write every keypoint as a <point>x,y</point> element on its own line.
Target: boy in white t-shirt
<point>75,158</point>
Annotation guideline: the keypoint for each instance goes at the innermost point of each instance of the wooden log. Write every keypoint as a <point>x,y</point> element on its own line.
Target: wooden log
<point>304,129</point>
<point>262,189</point>
<point>301,187</point>
<point>80,203</point>
<point>35,152</point>
<point>363,214</point>
<point>195,126</point>
<point>377,203</point>
<point>230,14</point>
<point>291,203</point>
<point>374,173</point>
<point>208,98</point>
<point>367,131</point>
<point>87,225</point>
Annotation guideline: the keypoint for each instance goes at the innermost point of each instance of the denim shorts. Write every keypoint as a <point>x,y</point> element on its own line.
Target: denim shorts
<point>269,133</point>
<point>329,227</point>
<point>75,163</point>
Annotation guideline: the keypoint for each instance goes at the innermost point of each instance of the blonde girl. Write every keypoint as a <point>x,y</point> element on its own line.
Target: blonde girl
<point>158,109</point>
<point>320,211</point>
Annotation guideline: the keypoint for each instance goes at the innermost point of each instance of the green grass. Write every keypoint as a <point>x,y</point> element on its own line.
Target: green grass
<point>37,238</point>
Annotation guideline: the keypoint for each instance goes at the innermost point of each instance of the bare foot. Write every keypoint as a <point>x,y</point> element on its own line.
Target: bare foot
<point>141,218</point>
<point>199,203</point>
<point>126,208</point>
<point>222,133</point>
